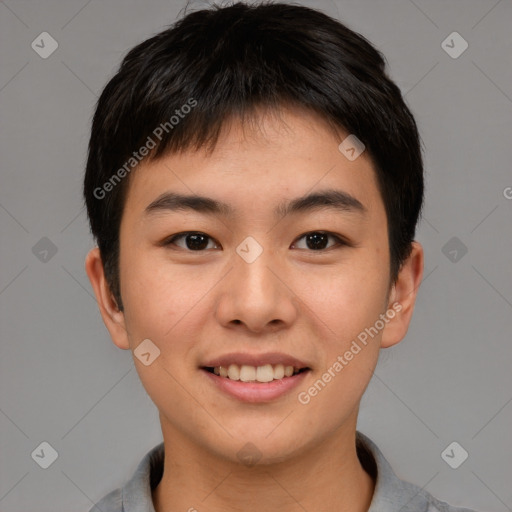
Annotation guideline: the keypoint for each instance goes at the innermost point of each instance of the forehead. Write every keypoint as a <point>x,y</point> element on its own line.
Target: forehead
<point>256,164</point>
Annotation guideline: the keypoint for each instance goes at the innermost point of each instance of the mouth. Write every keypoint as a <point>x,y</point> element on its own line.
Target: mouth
<point>248,373</point>
<point>255,378</point>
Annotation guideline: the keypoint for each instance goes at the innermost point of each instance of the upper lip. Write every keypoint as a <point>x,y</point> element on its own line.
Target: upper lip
<point>240,359</point>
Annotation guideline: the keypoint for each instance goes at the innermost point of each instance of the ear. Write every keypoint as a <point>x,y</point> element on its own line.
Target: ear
<point>113,318</point>
<point>402,297</point>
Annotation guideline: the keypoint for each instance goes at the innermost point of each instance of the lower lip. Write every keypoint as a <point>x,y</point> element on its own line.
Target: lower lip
<point>255,392</point>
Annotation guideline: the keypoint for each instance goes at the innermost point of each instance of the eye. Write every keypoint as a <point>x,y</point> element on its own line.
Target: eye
<point>316,240</point>
<point>194,240</point>
<point>198,241</point>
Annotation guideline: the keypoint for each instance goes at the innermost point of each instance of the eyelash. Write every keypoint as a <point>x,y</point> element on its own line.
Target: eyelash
<point>170,241</point>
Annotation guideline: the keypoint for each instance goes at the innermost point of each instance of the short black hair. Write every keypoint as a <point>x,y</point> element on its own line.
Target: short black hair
<point>225,61</point>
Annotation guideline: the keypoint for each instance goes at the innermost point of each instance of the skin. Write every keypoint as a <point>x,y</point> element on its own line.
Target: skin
<point>294,299</point>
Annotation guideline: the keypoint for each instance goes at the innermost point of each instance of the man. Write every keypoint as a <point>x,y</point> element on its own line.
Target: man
<point>254,182</point>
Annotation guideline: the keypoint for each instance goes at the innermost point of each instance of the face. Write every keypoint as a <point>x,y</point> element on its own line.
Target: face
<point>238,287</point>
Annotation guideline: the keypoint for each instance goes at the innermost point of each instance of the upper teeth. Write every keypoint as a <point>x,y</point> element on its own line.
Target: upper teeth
<point>246,373</point>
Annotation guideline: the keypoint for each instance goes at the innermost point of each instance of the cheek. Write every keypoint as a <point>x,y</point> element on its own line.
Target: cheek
<point>348,304</point>
<point>164,302</point>
<point>346,299</point>
<point>150,302</point>
<point>350,350</point>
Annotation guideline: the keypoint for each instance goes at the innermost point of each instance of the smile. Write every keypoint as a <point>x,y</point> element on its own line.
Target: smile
<point>248,373</point>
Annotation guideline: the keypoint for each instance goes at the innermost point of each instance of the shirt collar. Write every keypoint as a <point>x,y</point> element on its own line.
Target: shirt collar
<point>390,495</point>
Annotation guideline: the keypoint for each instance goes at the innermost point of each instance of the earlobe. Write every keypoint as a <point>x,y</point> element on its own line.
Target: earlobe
<point>403,297</point>
<point>113,318</point>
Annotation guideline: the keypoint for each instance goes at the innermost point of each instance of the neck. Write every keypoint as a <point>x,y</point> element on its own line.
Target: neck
<point>329,474</point>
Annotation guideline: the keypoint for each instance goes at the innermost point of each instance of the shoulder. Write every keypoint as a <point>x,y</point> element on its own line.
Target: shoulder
<point>424,501</point>
<point>435,505</point>
<point>392,493</point>
<point>136,494</point>
<point>112,502</point>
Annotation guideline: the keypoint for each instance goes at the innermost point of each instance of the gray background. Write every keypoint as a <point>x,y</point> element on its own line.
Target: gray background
<point>64,382</point>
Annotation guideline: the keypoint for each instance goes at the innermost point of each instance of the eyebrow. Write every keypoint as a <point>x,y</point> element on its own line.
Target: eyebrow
<point>324,200</point>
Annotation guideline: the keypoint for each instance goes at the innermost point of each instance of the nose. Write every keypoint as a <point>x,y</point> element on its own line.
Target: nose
<point>256,296</point>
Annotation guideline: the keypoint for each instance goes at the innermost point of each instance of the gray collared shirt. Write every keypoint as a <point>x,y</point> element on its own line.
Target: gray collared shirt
<point>391,494</point>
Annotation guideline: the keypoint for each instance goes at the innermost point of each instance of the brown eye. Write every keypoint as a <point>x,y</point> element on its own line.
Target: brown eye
<point>317,240</point>
<point>194,241</point>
